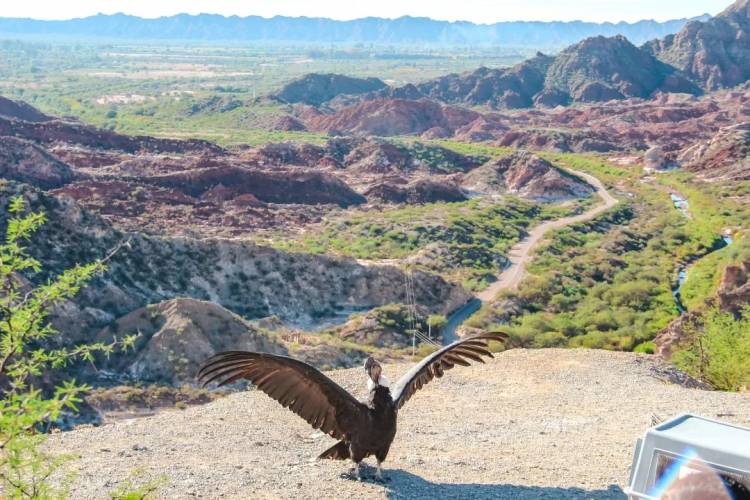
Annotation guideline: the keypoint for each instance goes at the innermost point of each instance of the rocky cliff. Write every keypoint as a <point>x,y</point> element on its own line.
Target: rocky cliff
<point>602,69</point>
<point>514,87</point>
<point>722,157</point>
<point>526,175</point>
<point>732,295</point>
<point>24,161</point>
<point>21,111</point>
<point>175,336</point>
<point>714,53</point>
<point>594,70</point>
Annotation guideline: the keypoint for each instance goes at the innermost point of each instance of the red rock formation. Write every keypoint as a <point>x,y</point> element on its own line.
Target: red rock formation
<point>23,161</point>
<point>388,117</point>
<point>419,191</point>
<point>56,131</point>
<point>732,296</point>
<point>528,176</point>
<point>282,185</point>
<point>724,156</point>
<point>714,53</point>
<point>316,89</point>
<point>734,288</point>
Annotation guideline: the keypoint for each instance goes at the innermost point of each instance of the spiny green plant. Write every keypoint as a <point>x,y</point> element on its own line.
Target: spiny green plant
<point>27,411</point>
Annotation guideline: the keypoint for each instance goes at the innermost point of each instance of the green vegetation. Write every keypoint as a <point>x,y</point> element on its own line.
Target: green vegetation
<point>464,241</point>
<point>397,318</point>
<point>716,208</point>
<point>438,159</point>
<point>605,283</point>
<point>472,148</point>
<point>719,350</point>
<point>436,322</point>
<point>704,276</point>
<point>136,487</point>
<point>203,91</point>
<point>26,411</point>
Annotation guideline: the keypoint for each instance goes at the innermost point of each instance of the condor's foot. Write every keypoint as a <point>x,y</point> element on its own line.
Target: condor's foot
<point>379,475</point>
<point>354,473</point>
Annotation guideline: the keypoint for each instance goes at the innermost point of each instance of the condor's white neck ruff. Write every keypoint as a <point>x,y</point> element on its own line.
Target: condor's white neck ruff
<point>383,382</point>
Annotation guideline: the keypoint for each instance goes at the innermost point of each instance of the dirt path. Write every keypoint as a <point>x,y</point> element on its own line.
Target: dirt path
<point>520,254</point>
<point>550,423</point>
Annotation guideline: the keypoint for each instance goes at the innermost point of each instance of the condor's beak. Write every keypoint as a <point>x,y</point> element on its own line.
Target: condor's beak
<point>373,369</point>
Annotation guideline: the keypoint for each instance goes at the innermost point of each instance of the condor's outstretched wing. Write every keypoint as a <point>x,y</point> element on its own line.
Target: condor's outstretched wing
<point>462,352</point>
<point>296,385</point>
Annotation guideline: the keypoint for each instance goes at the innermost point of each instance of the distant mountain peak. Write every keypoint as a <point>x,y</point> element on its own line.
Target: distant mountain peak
<point>403,30</point>
<point>739,7</point>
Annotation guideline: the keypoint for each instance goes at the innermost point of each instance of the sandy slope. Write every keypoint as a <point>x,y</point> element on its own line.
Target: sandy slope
<point>521,253</point>
<point>530,424</point>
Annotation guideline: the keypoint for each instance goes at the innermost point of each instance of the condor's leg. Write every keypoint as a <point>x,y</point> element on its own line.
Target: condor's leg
<point>380,456</point>
<point>357,456</point>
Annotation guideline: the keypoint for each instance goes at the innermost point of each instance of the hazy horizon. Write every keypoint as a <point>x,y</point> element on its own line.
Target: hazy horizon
<point>475,11</point>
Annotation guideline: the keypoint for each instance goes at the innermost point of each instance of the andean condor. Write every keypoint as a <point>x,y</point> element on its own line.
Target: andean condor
<point>363,429</point>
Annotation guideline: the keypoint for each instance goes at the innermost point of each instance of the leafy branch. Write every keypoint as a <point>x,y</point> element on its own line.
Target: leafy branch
<point>26,411</point>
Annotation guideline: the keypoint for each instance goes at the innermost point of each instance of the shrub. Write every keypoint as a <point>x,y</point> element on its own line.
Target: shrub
<point>645,348</point>
<point>719,351</point>
<point>550,339</point>
<point>27,411</point>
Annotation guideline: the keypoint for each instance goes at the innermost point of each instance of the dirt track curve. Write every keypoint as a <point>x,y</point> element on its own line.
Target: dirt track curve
<point>521,253</point>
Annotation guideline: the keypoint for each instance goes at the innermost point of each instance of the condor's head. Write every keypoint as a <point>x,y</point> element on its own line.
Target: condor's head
<point>375,374</point>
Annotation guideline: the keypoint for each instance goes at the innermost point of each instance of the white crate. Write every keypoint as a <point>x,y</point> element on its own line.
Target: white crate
<point>688,452</point>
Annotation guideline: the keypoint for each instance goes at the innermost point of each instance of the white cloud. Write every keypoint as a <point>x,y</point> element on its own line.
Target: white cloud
<point>482,11</point>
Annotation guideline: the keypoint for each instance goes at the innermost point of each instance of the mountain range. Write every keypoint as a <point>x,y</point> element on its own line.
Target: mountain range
<point>404,30</point>
<point>702,57</point>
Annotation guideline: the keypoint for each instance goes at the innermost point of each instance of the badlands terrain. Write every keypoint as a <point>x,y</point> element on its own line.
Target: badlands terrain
<point>592,201</point>
<point>536,196</point>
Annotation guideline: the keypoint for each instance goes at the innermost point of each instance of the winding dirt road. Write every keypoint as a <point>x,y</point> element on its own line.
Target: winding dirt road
<point>520,254</point>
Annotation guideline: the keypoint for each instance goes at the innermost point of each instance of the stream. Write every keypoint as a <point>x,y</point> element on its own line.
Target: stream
<point>457,319</point>
<point>460,315</point>
<point>683,206</point>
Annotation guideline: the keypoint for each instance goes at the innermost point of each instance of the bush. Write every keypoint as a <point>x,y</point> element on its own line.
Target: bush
<point>719,351</point>
<point>550,339</point>
<point>645,348</point>
<point>436,322</point>
<point>25,410</point>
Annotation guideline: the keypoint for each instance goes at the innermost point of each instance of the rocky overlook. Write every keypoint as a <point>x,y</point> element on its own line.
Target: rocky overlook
<point>548,400</point>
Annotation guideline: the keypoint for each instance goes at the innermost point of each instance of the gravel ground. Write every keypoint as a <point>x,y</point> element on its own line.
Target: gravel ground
<point>530,424</point>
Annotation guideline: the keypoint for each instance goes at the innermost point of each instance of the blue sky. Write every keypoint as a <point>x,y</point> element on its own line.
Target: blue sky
<point>480,11</point>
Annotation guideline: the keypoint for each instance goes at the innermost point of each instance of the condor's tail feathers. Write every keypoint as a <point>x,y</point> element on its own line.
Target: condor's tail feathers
<point>339,451</point>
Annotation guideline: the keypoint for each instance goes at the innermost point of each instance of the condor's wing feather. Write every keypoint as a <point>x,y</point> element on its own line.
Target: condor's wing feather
<point>296,385</point>
<point>462,352</point>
